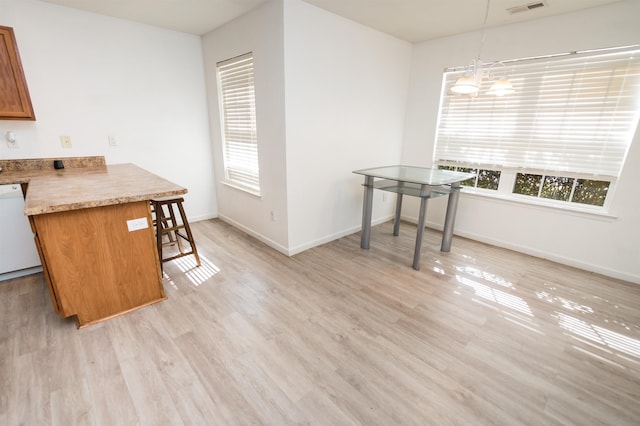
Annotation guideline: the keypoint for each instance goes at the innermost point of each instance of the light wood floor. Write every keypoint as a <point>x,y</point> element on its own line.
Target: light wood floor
<point>334,336</point>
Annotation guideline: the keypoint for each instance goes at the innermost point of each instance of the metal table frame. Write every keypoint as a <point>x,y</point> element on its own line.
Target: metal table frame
<point>419,182</point>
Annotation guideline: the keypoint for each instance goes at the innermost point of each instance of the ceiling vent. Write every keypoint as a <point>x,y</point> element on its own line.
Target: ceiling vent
<point>526,7</point>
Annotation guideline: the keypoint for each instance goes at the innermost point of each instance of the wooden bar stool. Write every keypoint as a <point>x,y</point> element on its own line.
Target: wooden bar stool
<point>166,223</point>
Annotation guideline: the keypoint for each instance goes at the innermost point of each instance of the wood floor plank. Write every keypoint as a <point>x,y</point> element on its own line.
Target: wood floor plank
<point>30,395</point>
<point>144,380</point>
<point>335,335</point>
<point>72,405</point>
<point>229,404</point>
<point>264,395</point>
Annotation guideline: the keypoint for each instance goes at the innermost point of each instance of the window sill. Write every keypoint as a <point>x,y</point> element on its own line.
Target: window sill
<point>249,191</point>
<point>541,204</point>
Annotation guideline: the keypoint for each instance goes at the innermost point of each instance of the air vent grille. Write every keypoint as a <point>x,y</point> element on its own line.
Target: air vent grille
<point>526,7</point>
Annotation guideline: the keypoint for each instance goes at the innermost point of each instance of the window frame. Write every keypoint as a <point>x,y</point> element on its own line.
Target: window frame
<point>238,123</point>
<point>509,173</point>
<point>507,182</point>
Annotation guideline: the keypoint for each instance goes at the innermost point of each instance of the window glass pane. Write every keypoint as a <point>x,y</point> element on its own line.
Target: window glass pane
<point>591,192</point>
<point>527,184</point>
<point>556,188</point>
<point>469,182</point>
<point>489,179</point>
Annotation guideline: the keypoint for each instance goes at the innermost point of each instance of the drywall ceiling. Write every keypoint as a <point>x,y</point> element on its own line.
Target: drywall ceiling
<point>411,20</point>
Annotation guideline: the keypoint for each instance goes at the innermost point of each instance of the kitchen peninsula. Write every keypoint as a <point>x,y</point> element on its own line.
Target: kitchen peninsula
<point>94,233</point>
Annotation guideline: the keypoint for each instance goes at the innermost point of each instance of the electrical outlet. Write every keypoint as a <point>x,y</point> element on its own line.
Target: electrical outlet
<point>273,216</point>
<point>113,141</point>
<point>65,141</point>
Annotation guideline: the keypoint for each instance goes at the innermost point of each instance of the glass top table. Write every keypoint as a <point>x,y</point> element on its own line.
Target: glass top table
<point>418,175</point>
<point>420,182</point>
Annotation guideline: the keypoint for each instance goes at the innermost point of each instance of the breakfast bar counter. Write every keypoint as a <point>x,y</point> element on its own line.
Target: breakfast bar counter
<point>94,233</point>
<point>75,189</point>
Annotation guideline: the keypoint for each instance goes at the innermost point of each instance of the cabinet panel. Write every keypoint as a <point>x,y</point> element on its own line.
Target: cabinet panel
<point>15,102</point>
<point>52,291</point>
<point>97,267</point>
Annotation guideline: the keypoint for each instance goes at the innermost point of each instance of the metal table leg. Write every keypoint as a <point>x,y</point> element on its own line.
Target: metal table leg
<point>425,192</point>
<point>450,218</point>
<point>396,222</point>
<point>367,203</point>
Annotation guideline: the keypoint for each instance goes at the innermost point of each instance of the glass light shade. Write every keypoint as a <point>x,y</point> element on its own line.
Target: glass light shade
<point>501,87</point>
<point>465,85</point>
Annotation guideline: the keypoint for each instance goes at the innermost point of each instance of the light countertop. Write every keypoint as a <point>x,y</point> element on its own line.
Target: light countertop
<point>23,170</point>
<point>83,188</point>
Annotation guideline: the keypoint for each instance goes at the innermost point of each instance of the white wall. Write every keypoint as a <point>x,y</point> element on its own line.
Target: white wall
<point>608,245</point>
<point>330,98</point>
<point>259,31</point>
<point>346,88</point>
<point>91,76</point>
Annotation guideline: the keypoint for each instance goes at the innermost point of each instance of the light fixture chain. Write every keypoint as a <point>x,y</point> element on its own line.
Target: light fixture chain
<point>484,28</point>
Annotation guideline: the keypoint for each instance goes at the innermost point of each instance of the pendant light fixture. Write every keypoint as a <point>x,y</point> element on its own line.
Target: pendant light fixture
<point>471,80</point>
<point>501,87</point>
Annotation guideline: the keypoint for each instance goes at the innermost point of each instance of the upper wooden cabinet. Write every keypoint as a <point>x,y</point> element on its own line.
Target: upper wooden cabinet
<point>15,103</point>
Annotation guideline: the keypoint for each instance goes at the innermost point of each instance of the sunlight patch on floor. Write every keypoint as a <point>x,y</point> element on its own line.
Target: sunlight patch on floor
<point>600,335</point>
<point>438,269</point>
<point>487,276</point>
<point>566,303</point>
<point>496,295</point>
<point>194,273</point>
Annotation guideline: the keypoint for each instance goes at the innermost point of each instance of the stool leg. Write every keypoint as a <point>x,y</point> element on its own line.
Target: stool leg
<point>168,223</point>
<point>159,213</point>
<point>174,224</point>
<point>185,222</point>
<point>159,229</point>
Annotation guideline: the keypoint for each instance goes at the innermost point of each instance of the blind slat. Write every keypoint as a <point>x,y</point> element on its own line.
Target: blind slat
<point>571,114</point>
<point>238,110</point>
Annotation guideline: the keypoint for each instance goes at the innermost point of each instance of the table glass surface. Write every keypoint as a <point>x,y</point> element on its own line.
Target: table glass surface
<point>419,175</point>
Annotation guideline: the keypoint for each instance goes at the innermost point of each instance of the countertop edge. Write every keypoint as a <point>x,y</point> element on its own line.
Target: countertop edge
<point>34,211</point>
<point>58,191</point>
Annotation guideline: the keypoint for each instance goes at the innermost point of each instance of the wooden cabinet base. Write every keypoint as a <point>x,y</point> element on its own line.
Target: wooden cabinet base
<point>96,266</point>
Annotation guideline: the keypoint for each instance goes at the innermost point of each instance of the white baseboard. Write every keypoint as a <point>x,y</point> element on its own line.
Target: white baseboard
<point>202,217</point>
<point>306,246</point>
<point>268,241</point>
<point>576,263</point>
<point>20,273</point>
<point>335,236</point>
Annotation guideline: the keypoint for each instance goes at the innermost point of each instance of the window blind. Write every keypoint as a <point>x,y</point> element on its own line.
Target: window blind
<point>571,114</point>
<point>238,109</point>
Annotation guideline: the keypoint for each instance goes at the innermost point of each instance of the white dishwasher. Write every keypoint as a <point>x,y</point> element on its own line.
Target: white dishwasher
<point>18,254</point>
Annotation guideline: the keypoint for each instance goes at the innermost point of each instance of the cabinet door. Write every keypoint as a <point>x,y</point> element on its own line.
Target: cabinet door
<point>98,267</point>
<point>15,103</point>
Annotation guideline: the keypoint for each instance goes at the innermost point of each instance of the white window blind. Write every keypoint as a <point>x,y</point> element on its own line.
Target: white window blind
<point>572,114</point>
<point>238,110</point>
